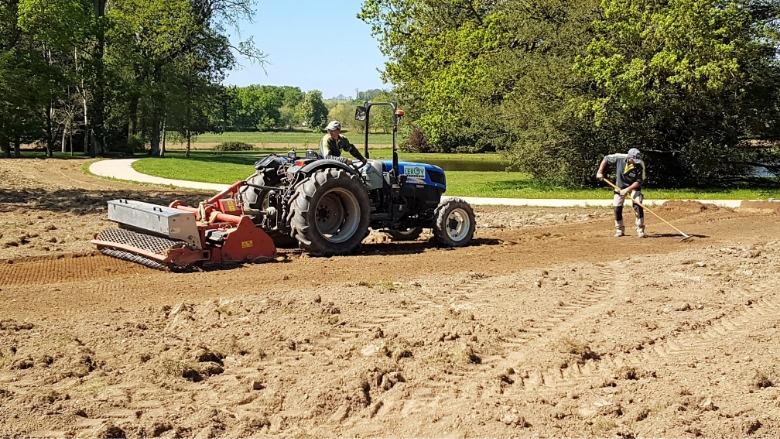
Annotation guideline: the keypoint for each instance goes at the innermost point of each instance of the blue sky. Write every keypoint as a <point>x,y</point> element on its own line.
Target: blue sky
<point>312,45</point>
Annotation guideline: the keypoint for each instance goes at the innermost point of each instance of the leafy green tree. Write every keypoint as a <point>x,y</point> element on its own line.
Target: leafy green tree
<point>437,53</point>
<point>135,69</point>
<point>558,83</point>
<point>686,80</point>
<point>314,111</point>
<point>23,83</point>
<point>54,27</point>
<point>345,113</point>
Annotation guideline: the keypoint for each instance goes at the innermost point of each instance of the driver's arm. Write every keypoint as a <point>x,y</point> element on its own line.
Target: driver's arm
<point>356,153</point>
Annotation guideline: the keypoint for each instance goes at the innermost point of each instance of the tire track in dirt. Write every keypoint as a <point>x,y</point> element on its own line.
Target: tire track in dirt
<point>611,279</point>
<point>70,268</point>
<point>478,291</point>
<point>415,302</point>
<point>693,343</point>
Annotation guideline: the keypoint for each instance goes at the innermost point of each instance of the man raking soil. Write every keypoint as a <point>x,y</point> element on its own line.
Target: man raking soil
<point>630,169</point>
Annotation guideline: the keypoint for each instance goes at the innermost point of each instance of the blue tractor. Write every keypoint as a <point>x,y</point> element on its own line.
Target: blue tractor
<point>327,207</point>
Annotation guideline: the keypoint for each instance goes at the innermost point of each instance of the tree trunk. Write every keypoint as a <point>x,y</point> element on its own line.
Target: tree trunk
<point>6,145</point>
<point>164,136</point>
<point>155,137</point>
<point>132,118</point>
<point>49,134</point>
<point>100,78</point>
<point>64,133</point>
<point>70,137</point>
<point>189,116</point>
<point>18,147</point>
<point>83,93</point>
<point>86,124</point>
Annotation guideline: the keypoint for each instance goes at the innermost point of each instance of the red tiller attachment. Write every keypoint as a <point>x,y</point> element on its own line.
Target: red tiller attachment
<point>178,236</point>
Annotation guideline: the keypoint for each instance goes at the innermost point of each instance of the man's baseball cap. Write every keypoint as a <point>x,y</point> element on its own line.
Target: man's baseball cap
<point>635,155</point>
<point>333,126</point>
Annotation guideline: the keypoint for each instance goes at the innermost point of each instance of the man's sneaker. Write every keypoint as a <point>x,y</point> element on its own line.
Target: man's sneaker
<point>641,234</point>
<point>619,233</point>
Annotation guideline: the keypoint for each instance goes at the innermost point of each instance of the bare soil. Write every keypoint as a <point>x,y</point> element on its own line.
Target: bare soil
<point>546,326</point>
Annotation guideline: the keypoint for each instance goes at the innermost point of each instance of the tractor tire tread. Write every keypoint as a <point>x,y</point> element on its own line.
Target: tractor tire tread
<point>440,218</point>
<point>301,206</point>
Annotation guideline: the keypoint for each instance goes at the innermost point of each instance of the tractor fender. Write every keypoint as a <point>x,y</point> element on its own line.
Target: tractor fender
<point>326,163</point>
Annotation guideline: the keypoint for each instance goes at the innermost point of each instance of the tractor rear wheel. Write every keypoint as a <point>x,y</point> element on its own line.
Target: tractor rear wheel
<point>410,234</point>
<point>454,223</point>
<point>254,198</point>
<point>257,199</point>
<point>330,213</point>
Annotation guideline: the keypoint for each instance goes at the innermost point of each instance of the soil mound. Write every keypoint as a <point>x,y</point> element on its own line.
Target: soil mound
<point>759,207</point>
<point>688,206</point>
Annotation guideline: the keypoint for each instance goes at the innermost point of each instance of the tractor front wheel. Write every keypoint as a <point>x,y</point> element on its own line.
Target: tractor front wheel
<point>330,213</point>
<point>454,223</point>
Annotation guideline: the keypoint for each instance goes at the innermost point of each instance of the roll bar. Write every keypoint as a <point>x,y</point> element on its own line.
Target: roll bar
<point>363,113</point>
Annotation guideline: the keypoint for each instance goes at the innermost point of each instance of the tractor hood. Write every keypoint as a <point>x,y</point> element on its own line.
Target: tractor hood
<point>419,173</point>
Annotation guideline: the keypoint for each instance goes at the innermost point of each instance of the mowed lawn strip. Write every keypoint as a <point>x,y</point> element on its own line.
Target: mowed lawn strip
<point>228,168</point>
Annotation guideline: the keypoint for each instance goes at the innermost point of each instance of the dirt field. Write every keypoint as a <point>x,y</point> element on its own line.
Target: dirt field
<point>546,326</point>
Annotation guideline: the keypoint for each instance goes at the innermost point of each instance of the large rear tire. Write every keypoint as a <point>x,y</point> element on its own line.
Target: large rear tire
<point>454,223</point>
<point>330,213</point>
<point>257,199</point>
<point>254,198</point>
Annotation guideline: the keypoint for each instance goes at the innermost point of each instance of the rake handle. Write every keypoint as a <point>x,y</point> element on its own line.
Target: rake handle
<point>645,207</point>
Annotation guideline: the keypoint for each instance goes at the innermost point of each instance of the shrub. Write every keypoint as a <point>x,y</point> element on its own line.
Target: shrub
<point>417,142</point>
<point>233,146</point>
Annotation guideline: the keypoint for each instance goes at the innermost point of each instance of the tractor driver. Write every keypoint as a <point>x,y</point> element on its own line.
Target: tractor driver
<point>333,143</point>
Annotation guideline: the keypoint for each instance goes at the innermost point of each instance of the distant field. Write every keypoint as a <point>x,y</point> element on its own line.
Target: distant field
<point>231,167</point>
<point>294,137</point>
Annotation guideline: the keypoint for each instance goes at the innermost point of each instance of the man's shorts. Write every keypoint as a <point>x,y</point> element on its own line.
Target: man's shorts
<point>618,199</point>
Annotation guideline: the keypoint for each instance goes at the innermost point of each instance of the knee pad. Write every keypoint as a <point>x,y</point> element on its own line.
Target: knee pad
<point>640,213</point>
<point>618,213</point>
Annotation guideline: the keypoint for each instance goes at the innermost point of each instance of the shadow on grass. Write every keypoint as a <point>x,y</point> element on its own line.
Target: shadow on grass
<point>244,158</point>
<point>86,201</point>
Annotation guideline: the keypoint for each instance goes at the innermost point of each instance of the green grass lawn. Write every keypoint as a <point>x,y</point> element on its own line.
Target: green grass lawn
<point>295,137</point>
<point>231,167</point>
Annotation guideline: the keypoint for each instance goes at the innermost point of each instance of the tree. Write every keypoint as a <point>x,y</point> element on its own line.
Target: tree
<point>437,52</point>
<point>687,80</point>
<point>558,83</point>
<point>314,111</point>
<point>133,67</point>
<point>54,27</point>
<point>345,113</point>
<point>22,92</point>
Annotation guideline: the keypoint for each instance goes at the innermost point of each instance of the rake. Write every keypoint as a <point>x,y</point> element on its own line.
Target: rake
<point>685,235</point>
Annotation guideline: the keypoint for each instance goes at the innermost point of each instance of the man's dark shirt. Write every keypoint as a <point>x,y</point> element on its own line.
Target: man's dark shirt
<point>627,174</point>
<point>331,149</point>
